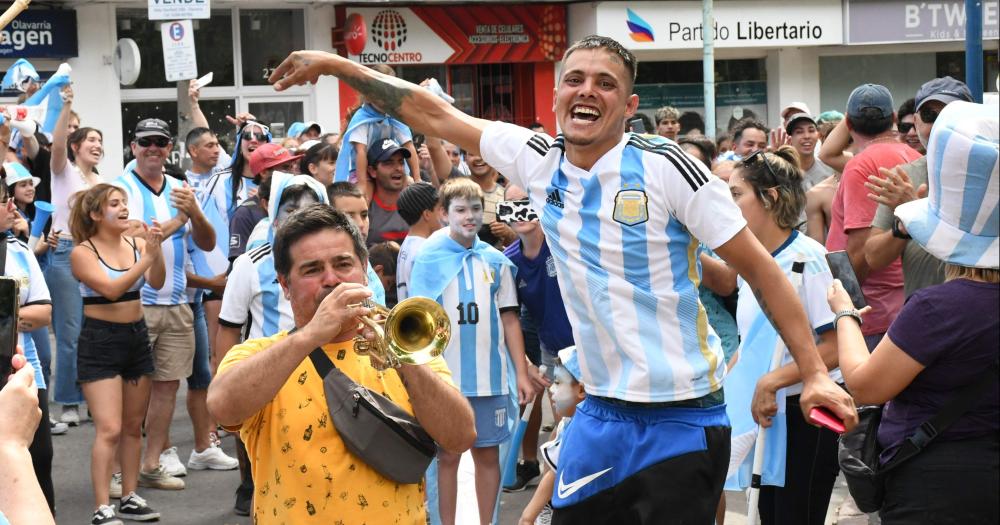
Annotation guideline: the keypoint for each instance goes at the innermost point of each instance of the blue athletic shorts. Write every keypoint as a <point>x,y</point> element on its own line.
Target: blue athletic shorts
<point>491,420</point>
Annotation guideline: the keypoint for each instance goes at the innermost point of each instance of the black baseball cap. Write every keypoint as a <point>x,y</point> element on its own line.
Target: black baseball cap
<point>383,150</point>
<point>152,127</point>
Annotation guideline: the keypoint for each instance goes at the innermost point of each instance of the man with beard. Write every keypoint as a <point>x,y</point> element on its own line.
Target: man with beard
<point>623,215</point>
<point>269,389</point>
<point>387,169</point>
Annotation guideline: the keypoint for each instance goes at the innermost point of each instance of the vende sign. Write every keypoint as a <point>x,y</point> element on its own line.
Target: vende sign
<point>455,34</point>
<point>179,9</point>
<point>678,25</point>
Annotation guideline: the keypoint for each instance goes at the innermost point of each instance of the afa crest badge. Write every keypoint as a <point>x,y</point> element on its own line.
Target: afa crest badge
<point>631,207</point>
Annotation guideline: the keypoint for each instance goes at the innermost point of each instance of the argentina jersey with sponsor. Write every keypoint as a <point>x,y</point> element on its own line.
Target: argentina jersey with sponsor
<point>146,204</point>
<point>253,298</point>
<point>476,351</point>
<point>624,236</point>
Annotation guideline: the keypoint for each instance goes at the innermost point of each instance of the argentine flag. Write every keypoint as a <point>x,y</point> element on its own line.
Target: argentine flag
<point>18,76</point>
<point>49,99</point>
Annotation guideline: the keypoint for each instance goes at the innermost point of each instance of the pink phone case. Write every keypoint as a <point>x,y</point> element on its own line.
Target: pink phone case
<point>825,419</point>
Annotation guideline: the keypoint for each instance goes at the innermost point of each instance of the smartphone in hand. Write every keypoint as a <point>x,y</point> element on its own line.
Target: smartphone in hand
<point>638,126</point>
<point>515,211</point>
<point>9,304</point>
<point>824,418</point>
<point>840,267</point>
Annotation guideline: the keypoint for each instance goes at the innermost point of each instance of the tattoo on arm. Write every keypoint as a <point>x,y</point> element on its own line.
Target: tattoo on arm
<point>767,311</point>
<point>386,94</point>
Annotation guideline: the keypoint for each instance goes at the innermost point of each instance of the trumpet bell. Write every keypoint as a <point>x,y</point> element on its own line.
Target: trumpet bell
<point>414,332</point>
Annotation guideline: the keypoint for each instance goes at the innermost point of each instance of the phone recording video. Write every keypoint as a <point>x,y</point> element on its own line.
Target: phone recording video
<point>9,301</point>
<point>840,267</point>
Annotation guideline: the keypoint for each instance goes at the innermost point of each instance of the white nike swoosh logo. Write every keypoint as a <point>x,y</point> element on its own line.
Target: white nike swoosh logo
<point>566,491</point>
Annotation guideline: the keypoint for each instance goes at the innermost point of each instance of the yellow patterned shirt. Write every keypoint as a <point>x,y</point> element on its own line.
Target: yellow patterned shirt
<point>302,471</point>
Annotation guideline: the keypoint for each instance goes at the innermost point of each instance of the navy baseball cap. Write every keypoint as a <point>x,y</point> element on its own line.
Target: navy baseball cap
<point>383,150</point>
<point>944,89</point>
<point>869,96</point>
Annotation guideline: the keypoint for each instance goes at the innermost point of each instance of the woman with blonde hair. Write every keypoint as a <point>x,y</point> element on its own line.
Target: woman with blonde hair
<point>945,342</point>
<point>114,360</point>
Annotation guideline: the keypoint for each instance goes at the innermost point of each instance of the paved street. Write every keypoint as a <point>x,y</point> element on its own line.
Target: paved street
<point>208,498</point>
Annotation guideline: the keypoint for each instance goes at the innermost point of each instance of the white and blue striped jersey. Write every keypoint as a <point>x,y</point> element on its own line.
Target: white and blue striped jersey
<point>816,281</point>
<point>625,238</point>
<point>253,298</point>
<point>22,265</point>
<point>144,205</point>
<point>476,351</point>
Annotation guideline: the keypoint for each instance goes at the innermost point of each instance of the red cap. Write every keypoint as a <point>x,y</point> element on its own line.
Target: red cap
<point>268,156</point>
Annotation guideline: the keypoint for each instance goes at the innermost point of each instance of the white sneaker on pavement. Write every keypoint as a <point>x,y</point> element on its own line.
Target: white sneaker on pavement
<point>70,415</point>
<point>212,458</point>
<point>57,428</point>
<point>115,490</point>
<point>172,463</point>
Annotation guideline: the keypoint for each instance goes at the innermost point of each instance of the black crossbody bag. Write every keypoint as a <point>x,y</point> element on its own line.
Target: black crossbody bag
<point>858,451</point>
<point>373,428</point>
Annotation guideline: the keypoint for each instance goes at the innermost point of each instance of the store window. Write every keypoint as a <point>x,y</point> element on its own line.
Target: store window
<point>740,90</point>
<point>277,115</point>
<point>215,111</point>
<point>267,36</point>
<point>213,41</point>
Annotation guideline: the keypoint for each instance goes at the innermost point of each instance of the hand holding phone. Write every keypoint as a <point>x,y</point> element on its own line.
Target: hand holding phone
<point>840,267</point>
<point>638,126</point>
<point>9,305</point>
<point>824,418</point>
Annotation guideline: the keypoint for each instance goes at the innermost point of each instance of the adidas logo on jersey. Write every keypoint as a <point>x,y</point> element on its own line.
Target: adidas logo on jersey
<point>555,199</point>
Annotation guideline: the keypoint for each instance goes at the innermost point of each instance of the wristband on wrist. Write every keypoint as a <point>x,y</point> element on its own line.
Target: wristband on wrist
<point>897,232</point>
<point>848,313</point>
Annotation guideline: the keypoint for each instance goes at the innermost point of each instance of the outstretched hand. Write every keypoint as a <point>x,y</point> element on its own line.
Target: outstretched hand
<point>299,68</point>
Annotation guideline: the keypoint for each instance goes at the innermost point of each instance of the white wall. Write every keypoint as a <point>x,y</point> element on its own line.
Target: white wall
<point>792,76</point>
<point>326,98</point>
<point>96,91</point>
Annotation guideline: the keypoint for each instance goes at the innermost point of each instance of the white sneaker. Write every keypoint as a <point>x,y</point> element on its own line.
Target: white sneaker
<point>70,415</point>
<point>212,458</point>
<point>57,428</point>
<point>115,489</point>
<point>172,463</point>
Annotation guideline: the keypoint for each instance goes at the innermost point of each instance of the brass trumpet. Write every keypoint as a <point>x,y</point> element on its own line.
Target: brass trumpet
<point>414,332</point>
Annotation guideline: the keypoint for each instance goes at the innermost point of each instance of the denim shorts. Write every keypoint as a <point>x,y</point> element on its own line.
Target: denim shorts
<point>491,420</point>
<point>107,350</point>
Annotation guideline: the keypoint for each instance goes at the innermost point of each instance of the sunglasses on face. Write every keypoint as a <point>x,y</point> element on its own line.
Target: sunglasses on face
<point>928,115</point>
<point>904,127</point>
<point>259,136</point>
<point>159,142</point>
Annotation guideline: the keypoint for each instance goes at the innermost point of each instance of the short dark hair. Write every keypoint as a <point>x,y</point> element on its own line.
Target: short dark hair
<point>870,122</point>
<point>745,124</point>
<point>908,107</point>
<point>195,135</point>
<point>318,152</point>
<point>691,120</point>
<point>611,45</point>
<point>385,254</point>
<point>307,221</point>
<point>703,144</point>
<point>343,189</point>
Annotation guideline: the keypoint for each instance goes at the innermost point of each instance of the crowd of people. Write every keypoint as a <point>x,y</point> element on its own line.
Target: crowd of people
<point>667,296</point>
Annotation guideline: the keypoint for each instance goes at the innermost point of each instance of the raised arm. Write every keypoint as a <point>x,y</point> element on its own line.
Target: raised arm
<point>420,109</point>
<point>781,304</point>
<point>60,135</point>
<point>440,163</point>
<point>198,119</point>
<point>832,152</point>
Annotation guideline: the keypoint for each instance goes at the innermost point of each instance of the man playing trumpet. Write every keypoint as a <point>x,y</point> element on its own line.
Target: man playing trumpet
<point>270,391</point>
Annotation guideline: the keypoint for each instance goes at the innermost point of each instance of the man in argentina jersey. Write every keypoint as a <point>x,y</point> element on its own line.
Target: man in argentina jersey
<point>623,216</point>
<point>155,197</point>
<point>474,283</point>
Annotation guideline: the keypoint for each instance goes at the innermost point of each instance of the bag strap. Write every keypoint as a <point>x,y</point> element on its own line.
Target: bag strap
<point>322,362</point>
<point>949,413</point>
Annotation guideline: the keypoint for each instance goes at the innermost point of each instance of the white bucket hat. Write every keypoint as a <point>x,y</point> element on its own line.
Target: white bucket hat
<point>16,173</point>
<point>959,221</point>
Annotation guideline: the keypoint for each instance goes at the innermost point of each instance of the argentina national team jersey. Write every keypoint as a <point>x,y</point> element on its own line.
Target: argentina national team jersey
<point>253,297</point>
<point>473,301</point>
<point>22,266</point>
<point>625,238</point>
<point>146,204</point>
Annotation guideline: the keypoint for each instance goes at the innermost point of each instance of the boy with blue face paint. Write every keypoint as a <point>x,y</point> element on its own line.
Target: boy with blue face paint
<point>566,392</point>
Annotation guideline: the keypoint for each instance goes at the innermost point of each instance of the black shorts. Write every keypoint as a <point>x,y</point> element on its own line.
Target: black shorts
<point>110,349</point>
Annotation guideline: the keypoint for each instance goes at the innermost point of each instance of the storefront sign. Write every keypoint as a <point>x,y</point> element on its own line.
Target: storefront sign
<point>678,25</point>
<point>40,34</point>
<point>179,61</point>
<point>744,93</point>
<point>893,21</point>
<point>456,34</point>
<point>179,9</point>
